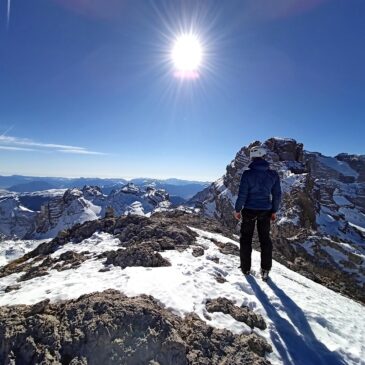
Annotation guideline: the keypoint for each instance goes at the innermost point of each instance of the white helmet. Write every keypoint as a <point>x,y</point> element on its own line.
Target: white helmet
<point>257,152</point>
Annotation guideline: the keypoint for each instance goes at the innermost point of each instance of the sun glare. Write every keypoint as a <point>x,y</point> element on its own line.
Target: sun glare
<point>187,55</point>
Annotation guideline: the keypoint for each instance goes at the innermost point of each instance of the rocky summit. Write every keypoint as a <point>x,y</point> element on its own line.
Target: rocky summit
<point>320,227</point>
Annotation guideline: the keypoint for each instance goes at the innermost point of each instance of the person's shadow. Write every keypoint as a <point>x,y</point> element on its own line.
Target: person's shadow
<point>295,348</point>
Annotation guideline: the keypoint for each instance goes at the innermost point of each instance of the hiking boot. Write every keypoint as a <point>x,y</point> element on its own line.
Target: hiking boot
<point>245,272</point>
<point>264,274</point>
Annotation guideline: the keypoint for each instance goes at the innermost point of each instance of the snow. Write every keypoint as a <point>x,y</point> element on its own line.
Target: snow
<point>210,208</point>
<point>308,324</point>
<point>341,200</point>
<point>308,246</point>
<point>339,166</point>
<point>227,194</point>
<point>98,242</point>
<point>290,180</point>
<point>353,216</point>
<point>362,229</point>
<point>11,250</point>
<point>219,185</point>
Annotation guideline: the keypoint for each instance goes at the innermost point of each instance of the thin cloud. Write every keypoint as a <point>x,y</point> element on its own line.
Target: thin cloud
<point>10,148</point>
<point>25,144</point>
<point>82,152</point>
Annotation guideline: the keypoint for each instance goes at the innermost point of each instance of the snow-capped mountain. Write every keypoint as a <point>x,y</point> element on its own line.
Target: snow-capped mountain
<point>184,189</point>
<point>63,209</point>
<point>320,229</point>
<point>166,289</point>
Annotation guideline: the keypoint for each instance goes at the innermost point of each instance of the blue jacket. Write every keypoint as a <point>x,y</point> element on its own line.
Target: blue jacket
<point>259,188</point>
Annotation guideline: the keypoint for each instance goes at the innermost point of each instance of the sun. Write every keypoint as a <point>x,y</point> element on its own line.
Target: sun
<point>187,54</point>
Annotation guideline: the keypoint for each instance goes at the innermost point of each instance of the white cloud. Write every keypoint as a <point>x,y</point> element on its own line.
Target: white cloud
<point>81,152</point>
<point>24,144</point>
<point>10,148</point>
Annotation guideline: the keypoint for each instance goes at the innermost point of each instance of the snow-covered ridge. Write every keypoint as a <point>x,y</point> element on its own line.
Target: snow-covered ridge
<point>307,324</point>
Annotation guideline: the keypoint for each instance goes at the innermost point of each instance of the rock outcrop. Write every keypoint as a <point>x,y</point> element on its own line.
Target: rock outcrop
<point>139,255</point>
<point>241,314</point>
<point>110,328</point>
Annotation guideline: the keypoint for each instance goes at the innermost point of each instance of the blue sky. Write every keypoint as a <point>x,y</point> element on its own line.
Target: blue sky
<point>87,88</point>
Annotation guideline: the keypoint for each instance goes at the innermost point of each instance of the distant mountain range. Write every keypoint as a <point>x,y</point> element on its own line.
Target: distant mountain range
<point>184,189</point>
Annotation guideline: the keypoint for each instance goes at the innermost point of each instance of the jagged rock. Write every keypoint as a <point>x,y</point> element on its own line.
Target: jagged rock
<point>67,260</point>
<point>110,328</point>
<point>322,197</point>
<point>213,258</point>
<point>241,314</point>
<point>198,251</point>
<point>227,248</point>
<point>145,229</point>
<point>140,255</point>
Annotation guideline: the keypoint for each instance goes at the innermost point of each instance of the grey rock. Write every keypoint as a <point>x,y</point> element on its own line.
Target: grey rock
<point>242,314</point>
<point>110,328</point>
<point>140,255</point>
<point>198,251</point>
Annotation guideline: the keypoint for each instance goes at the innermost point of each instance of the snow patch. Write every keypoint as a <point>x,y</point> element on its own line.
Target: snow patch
<point>339,166</point>
<point>308,324</point>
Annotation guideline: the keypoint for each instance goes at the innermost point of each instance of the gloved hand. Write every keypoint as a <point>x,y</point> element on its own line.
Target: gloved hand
<point>237,215</point>
<point>273,216</point>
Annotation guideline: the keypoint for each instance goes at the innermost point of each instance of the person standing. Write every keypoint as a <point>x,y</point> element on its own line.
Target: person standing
<point>258,201</point>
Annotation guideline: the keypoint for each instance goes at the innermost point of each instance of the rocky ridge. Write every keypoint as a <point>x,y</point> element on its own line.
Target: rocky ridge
<point>320,230</point>
<point>140,237</point>
<point>109,327</point>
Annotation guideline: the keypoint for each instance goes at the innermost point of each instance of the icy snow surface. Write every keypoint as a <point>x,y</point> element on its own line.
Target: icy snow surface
<point>308,324</point>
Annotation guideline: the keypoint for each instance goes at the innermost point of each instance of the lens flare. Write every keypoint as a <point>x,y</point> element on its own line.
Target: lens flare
<point>187,55</point>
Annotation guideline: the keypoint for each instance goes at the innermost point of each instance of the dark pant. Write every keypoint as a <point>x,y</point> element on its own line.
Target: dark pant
<point>249,218</point>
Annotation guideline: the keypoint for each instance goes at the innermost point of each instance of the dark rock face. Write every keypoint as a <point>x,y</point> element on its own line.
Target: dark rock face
<point>141,255</point>
<point>241,314</point>
<point>286,149</point>
<point>110,328</point>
